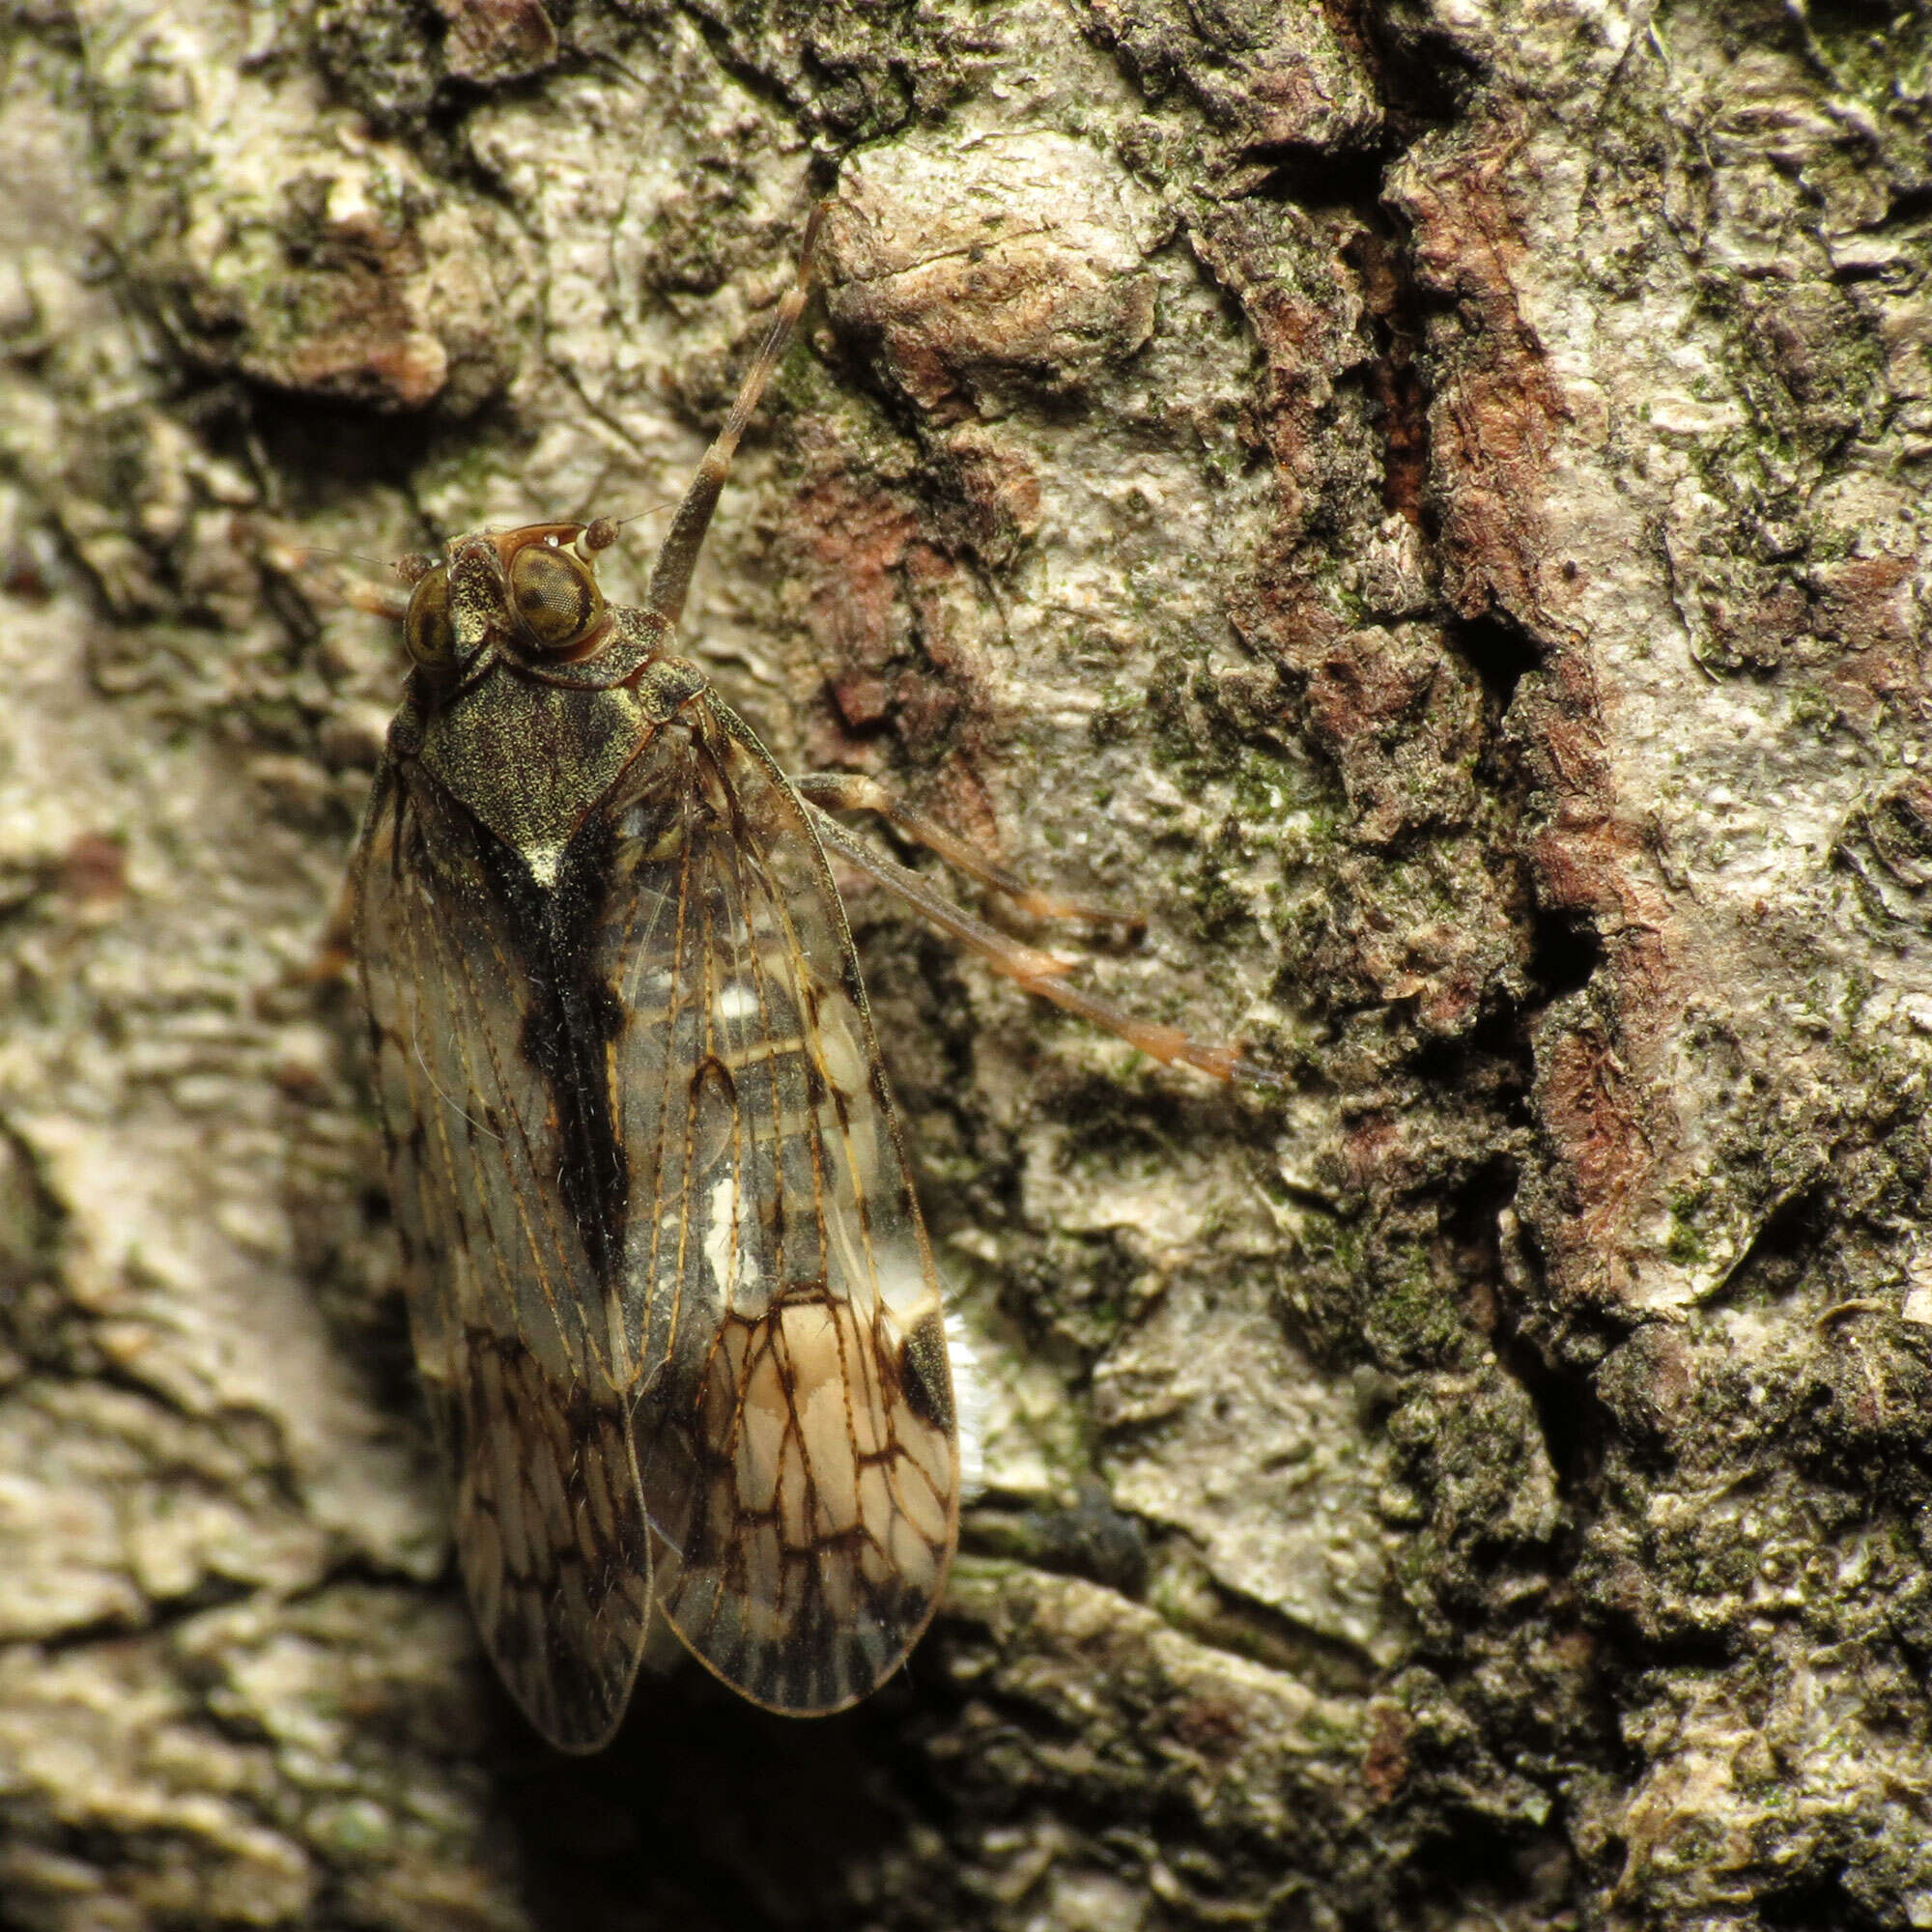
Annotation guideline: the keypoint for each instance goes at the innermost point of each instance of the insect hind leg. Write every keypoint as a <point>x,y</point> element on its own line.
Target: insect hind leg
<point>1039,972</point>
<point>849,791</point>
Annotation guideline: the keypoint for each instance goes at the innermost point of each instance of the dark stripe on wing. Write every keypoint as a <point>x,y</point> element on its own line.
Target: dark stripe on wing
<point>571,1015</point>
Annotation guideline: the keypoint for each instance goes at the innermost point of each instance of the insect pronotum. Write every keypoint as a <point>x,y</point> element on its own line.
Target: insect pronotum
<point>674,1306</point>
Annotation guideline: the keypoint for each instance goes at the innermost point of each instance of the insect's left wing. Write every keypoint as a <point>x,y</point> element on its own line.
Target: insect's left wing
<point>795,1439</point>
<point>508,1315</point>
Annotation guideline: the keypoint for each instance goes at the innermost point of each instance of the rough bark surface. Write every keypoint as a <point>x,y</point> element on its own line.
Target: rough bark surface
<point>1424,496</point>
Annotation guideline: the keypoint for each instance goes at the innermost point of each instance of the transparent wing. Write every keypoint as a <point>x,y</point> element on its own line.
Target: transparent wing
<point>507,1310</point>
<point>795,1437</point>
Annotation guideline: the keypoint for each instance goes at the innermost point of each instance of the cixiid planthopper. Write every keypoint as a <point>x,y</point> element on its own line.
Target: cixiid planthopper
<point>674,1308</point>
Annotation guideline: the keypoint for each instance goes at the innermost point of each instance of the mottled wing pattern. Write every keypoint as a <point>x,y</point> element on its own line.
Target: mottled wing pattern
<point>503,1300</point>
<point>795,1434</point>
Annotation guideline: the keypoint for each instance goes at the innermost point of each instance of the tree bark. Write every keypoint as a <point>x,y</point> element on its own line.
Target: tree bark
<point>1427,502</point>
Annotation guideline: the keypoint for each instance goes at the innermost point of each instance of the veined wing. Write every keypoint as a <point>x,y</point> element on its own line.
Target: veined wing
<point>505,1301</point>
<point>795,1437</point>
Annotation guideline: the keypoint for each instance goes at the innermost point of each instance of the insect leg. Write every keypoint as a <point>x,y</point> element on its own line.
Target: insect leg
<point>319,570</point>
<point>677,557</point>
<point>848,791</point>
<point>1038,972</point>
<point>374,600</point>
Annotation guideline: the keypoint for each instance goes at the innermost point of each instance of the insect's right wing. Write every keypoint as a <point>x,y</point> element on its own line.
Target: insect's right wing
<point>509,1322</point>
<point>795,1434</point>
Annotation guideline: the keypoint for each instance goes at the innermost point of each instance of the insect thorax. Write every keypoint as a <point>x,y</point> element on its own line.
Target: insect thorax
<point>530,759</point>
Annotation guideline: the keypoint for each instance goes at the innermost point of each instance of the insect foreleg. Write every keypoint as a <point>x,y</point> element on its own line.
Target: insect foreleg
<point>849,791</point>
<point>318,570</point>
<point>671,575</point>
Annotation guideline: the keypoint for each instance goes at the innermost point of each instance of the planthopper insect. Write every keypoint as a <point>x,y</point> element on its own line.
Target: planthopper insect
<point>674,1308</point>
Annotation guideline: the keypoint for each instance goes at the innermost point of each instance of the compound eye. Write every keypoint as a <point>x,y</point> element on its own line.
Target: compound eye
<point>556,595</point>
<point>427,630</point>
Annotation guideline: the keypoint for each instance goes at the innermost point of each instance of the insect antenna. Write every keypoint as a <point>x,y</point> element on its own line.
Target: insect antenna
<point>671,575</point>
<point>310,551</point>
